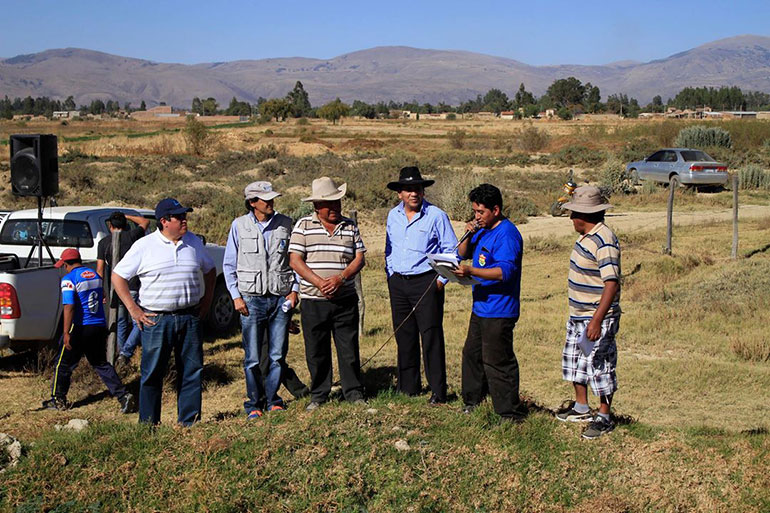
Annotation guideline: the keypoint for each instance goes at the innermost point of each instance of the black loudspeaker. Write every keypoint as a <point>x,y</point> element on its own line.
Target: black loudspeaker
<point>34,165</point>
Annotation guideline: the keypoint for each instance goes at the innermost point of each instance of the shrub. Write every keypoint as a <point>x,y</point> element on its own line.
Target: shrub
<point>615,179</point>
<point>451,116</point>
<point>564,113</point>
<point>637,149</point>
<point>579,155</point>
<point>451,194</point>
<point>197,136</point>
<point>531,139</point>
<point>699,136</point>
<point>753,176</point>
<point>519,208</point>
<point>756,349</point>
<point>303,122</point>
<point>268,132</point>
<point>457,139</point>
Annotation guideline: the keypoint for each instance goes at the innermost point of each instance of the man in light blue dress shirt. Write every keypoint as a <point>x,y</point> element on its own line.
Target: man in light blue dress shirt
<point>416,228</point>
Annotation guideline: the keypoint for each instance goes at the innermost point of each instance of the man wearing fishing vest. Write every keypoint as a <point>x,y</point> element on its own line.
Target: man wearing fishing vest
<point>264,291</point>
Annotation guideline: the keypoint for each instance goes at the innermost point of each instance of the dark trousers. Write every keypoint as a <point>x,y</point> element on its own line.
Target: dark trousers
<point>320,320</point>
<point>180,334</point>
<point>490,366</point>
<point>426,323</point>
<point>91,342</point>
<point>289,378</point>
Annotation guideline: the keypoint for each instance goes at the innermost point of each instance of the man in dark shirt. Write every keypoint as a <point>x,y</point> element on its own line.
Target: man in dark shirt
<point>128,334</point>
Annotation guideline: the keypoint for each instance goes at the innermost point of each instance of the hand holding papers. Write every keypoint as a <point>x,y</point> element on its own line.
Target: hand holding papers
<point>444,264</point>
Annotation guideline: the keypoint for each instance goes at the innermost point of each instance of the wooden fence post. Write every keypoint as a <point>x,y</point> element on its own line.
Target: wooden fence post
<point>734,253</point>
<point>359,290</point>
<point>670,214</point>
<point>112,315</point>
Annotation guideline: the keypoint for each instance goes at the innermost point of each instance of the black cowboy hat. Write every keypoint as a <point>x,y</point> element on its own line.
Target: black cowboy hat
<point>409,176</point>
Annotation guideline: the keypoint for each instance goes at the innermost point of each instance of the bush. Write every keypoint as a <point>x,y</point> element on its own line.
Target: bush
<point>564,113</point>
<point>531,139</point>
<point>457,139</point>
<point>519,208</point>
<point>196,136</point>
<point>700,136</point>
<point>753,176</point>
<point>615,179</point>
<point>579,155</point>
<point>751,349</point>
<point>451,116</point>
<point>451,194</point>
<point>303,122</point>
<point>637,149</point>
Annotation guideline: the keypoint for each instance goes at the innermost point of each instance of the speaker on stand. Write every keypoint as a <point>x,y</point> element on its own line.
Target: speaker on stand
<point>35,172</point>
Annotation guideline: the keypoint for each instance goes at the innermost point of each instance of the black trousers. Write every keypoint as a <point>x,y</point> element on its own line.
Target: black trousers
<point>490,366</point>
<point>88,341</point>
<point>320,320</point>
<point>427,323</point>
<point>289,378</point>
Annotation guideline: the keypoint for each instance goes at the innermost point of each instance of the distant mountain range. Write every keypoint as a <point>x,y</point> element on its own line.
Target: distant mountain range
<point>384,73</point>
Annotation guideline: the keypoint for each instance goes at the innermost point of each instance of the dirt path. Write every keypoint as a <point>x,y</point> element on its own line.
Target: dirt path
<point>622,222</point>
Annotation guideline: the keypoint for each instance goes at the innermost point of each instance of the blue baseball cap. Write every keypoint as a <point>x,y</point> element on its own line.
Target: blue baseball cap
<point>169,206</point>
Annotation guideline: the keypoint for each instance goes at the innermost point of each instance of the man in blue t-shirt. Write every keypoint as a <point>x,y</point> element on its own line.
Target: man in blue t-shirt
<point>489,363</point>
<point>85,333</point>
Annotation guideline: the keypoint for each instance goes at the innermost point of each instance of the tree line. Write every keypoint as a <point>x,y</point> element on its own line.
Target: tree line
<point>566,96</point>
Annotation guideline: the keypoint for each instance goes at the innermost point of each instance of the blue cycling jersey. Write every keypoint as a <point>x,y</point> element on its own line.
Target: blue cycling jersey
<point>83,288</point>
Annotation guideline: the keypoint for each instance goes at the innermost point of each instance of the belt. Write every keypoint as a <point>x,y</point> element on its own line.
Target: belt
<point>190,310</point>
<point>413,276</point>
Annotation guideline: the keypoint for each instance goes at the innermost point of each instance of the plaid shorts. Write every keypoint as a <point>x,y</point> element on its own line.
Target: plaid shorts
<point>598,368</point>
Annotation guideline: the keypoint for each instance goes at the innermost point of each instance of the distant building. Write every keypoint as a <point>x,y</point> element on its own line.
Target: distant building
<point>161,111</point>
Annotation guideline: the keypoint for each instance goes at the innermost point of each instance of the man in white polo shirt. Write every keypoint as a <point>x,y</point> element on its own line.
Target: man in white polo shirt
<point>172,300</point>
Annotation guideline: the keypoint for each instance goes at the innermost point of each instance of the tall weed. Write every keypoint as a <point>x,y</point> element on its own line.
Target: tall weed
<point>700,136</point>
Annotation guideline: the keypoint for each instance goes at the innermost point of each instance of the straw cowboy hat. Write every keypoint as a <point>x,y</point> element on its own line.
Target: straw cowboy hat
<point>324,189</point>
<point>587,200</point>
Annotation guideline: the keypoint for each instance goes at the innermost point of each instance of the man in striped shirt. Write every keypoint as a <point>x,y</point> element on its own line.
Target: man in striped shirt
<point>172,300</point>
<point>326,250</point>
<point>590,352</point>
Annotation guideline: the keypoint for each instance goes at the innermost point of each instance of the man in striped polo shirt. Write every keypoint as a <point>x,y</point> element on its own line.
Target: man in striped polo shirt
<point>590,354</point>
<point>326,250</point>
<point>172,299</point>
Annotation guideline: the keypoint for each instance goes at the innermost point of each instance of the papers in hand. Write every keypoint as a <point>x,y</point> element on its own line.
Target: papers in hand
<point>444,264</point>
<point>586,345</point>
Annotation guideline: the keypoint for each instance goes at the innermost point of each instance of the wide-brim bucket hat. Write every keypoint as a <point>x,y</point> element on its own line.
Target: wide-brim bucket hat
<point>587,199</point>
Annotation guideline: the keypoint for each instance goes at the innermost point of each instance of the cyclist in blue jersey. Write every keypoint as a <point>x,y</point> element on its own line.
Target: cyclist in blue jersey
<point>85,333</point>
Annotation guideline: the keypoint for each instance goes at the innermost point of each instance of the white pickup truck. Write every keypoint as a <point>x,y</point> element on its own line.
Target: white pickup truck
<point>30,300</point>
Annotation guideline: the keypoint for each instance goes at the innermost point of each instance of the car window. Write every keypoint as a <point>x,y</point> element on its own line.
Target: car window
<point>56,232</point>
<point>669,156</point>
<point>656,157</point>
<point>696,156</point>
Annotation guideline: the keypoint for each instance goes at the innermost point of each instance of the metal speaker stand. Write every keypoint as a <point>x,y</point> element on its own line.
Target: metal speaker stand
<point>39,242</point>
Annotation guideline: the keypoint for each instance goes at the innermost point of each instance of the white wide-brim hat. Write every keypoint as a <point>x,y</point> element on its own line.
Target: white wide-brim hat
<point>324,189</point>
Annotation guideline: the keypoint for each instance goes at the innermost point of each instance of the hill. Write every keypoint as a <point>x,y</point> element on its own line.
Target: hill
<point>383,73</point>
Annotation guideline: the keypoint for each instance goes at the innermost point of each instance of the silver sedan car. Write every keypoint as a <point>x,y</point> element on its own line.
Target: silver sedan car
<point>686,166</point>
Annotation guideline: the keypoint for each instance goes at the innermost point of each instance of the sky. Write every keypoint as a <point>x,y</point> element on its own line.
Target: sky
<point>534,32</point>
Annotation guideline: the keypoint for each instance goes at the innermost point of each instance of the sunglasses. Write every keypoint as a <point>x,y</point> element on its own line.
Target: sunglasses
<point>180,217</point>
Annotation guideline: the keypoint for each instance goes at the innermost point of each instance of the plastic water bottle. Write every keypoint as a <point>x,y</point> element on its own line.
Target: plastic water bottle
<point>286,306</point>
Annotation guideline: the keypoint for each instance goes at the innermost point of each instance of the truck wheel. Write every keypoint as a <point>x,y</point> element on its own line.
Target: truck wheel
<point>222,317</point>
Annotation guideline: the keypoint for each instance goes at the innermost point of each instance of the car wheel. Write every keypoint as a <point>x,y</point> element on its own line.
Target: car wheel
<point>222,316</point>
<point>675,181</point>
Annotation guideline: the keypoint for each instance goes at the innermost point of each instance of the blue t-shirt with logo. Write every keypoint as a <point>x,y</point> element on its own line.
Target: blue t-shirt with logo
<point>499,247</point>
<point>83,288</point>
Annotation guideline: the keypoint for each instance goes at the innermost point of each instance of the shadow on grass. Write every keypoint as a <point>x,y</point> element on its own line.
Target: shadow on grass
<point>376,379</point>
<point>619,419</point>
<point>221,348</point>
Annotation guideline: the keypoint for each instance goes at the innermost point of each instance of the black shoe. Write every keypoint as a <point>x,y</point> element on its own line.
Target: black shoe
<point>56,403</point>
<point>598,427</point>
<point>435,400</point>
<point>127,403</point>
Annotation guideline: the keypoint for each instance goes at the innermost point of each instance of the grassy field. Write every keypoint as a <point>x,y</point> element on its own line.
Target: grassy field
<point>694,359</point>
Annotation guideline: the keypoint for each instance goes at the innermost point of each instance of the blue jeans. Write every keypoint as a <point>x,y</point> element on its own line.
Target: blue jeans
<point>128,334</point>
<point>182,334</point>
<point>265,317</point>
